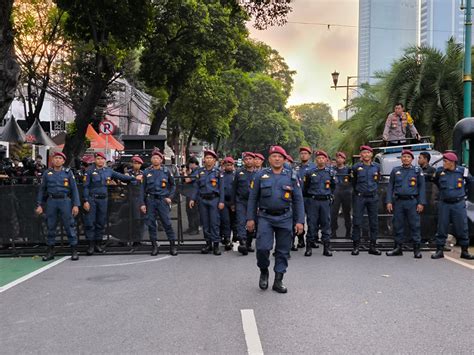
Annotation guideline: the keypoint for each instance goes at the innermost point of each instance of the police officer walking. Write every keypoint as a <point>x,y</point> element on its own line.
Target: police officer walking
<point>365,180</point>
<point>303,167</point>
<point>157,191</point>
<point>241,191</point>
<point>451,180</point>
<point>209,193</point>
<point>228,212</point>
<point>319,184</point>
<point>276,194</point>
<point>342,195</point>
<point>59,190</point>
<point>96,180</point>
<point>406,199</point>
<point>135,200</point>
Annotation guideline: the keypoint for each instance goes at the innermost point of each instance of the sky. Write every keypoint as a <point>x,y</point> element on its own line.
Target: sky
<point>315,51</point>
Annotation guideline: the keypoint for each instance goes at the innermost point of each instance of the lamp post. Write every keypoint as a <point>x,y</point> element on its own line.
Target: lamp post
<point>335,79</point>
<point>467,78</point>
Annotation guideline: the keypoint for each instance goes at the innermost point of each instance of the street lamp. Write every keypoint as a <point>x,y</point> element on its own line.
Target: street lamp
<point>335,78</point>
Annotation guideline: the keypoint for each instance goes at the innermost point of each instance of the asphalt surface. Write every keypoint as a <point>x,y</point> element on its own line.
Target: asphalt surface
<point>190,304</point>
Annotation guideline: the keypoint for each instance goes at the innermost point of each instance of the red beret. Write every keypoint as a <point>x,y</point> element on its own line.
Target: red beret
<point>137,159</point>
<point>322,153</point>
<point>211,153</point>
<point>59,154</point>
<point>100,154</point>
<point>248,154</point>
<point>290,158</point>
<point>157,152</point>
<point>277,149</point>
<point>365,147</point>
<point>450,156</point>
<point>409,152</point>
<point>341,154</point>
<point>229,160</point>
<point>306,149</point>
<point>260,156</point>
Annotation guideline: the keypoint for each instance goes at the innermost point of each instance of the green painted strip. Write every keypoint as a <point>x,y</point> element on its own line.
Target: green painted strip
<point>14,268</point>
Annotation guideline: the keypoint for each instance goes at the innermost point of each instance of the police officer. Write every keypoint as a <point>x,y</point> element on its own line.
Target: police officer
<point>158,188</point>
<point>59,190</point>
<point>96,180</point>
<point>135,200</point>
<point>424,163</point>
<point>451,180</point>
<point>365,180</point>
<point>397,124</point>
<point>302,168</point>
<point>228,212</point>
<point>319,184</point>
<point>342,195</point>
<point>241,191</point>
<point>406,199</point>
<point>258,162</point>
<point>276,194</point>
<point>209,192</point>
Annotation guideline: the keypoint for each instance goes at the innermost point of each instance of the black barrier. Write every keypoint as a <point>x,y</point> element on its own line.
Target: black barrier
<point>23,232</point>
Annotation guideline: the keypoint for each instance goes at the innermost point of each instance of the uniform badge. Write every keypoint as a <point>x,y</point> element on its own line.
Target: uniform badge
<point>251,184</point>
<point>413,181</point>
<point>241,173</point>
<point>265,176</point>
<point>214,182</point>
<point>398,172</point>
<point>50,173</point>
<point>66,182</point>
<point>286,195</point>
<point>149,175</point>
<point>313,174</point>
<point>442,173</point>
<point>328,184</point>
<point>94,173</point>
<point>459,183</point>
<point>163,183</point>
<point>346,179</point>
<point>201,173</point>
<point>376,177</point>
<point>360,168</point>
<point>108,180</point>
<point>84,178</point>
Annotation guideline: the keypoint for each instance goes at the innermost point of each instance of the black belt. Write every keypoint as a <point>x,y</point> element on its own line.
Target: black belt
<point>156,197</point>
<point>99,196</point>
<point>406,197</point>
<point>209,196</point>
<point>453,200</point>
<point>366,194</point>
<point>59,196</point>
<point>275,212</point>
<point>320,197</point>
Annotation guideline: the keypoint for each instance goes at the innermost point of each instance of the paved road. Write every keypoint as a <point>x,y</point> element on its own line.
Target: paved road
<point>192,304</point>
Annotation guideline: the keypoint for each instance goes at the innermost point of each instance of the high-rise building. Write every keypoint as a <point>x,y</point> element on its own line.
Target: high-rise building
<point>386,28</point>
<point>439,21</point>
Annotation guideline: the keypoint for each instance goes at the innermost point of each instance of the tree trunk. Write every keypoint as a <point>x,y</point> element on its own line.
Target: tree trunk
<point>189,140</point>
<point>158,119</point>
<point>9,68</point>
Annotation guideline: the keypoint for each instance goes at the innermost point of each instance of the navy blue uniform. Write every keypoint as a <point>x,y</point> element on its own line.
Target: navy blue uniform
<point>209,192</point>
<point>406,190</point>
<point>59,190</point>
<point>365,180</point>
<point>95,192</point>
<point>241,188</point>
<point>279,200</point>
<point>227,215</point>
<point>157,185</point>
<point>452,204</point>
<point>342,198</point>
<point>319,185</point>
<point>301,171</point>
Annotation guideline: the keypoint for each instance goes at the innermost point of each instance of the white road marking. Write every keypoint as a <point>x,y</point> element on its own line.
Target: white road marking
<point>32,274</point>
<point>254,346</point>
<point>130,263</point>
<point>457,261</point>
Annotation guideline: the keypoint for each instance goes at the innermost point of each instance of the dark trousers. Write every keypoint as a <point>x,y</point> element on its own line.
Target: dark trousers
<point>405,211</point>
<point>319,217</point>
<point>210,219</point>
<point>96,218</point>
<point>158,208</point>
<point>227,221</point>
<point>359,205</point>
<point>342,198</point>
<point>193,216</point>
<point>62,207</point>
<point>454,213</point>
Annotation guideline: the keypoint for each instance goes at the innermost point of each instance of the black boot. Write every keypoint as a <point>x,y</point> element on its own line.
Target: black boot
<point>49,253</point>
<point>327,250</point>
<point>173,249</point>
<point>396,251</point>
<point>248,244</point>
<point>355,247</point>
<point>207,248</point>
<point>227,243</point>
<point>313,245</point>
<point>242,247</point>
<point>278,283</point>
<point>263,282</point>
<point>74,254</point>
<point>439,254</point>
<point>373,249</point>
<point>465,254</point>
<point>301,243</point>
<point>309,250</point>
<point>98,247</point>
<point>91,248</point>
<point>417,251</point>
<point>154,248</point>
<point>216,250</point>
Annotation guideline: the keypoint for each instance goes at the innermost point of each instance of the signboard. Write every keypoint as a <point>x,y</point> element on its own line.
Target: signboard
<point>107,127</point>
